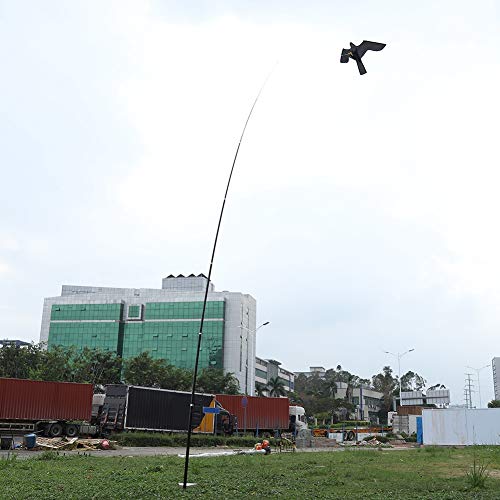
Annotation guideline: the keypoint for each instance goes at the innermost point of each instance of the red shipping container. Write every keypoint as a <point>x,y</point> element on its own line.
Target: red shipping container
<point>261,413</point>
<point>36,400</point>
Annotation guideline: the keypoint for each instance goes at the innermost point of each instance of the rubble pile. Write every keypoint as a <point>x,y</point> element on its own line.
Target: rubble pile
<point>66,444</point>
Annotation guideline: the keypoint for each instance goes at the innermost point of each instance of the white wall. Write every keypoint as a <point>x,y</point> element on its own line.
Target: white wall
<point>461,426</point>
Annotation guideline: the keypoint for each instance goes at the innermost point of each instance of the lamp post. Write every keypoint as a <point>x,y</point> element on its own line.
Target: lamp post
<point>477,370</point>
<point>399,356</point>
<point>241,347</point>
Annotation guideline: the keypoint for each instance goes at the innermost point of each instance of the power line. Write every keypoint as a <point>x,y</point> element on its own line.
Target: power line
<point>468,390</point>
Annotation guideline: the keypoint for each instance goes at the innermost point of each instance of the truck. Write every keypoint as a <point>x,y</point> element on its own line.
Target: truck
<point>133,408</point>
<point>256,414</point>
<point>64,408</point>
<point>48,408</point>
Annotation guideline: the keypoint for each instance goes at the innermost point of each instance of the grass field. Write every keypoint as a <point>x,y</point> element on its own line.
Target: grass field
<point>420,473</point>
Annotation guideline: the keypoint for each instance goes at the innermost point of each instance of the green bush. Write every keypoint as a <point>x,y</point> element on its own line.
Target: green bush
<point>412,438</point>
<point>350,423</point>
<point>180,440</point>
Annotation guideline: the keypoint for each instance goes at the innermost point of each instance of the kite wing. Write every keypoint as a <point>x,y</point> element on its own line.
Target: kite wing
<point>366,45</point>
<point>344,57</point>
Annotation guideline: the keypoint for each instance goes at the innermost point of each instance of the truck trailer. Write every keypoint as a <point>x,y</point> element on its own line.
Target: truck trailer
<point>64,408</point>
<point>133,408</point>
<point>256,414</point>
<point>49,408</point>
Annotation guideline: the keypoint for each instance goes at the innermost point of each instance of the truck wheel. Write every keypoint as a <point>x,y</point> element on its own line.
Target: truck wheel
<point>56,430</point>
<point>71,431</point>
<point>350,436</point>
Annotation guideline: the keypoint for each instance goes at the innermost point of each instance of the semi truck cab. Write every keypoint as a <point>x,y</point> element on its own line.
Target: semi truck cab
<point>297,418</point>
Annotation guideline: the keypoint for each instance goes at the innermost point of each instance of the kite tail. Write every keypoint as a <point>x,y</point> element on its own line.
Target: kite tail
<point>361,67</point>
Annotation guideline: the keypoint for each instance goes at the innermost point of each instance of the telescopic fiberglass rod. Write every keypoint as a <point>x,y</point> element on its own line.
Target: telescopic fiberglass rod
<point>195,374</point>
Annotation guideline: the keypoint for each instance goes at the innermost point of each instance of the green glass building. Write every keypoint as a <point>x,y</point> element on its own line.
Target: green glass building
<point>164,322</point>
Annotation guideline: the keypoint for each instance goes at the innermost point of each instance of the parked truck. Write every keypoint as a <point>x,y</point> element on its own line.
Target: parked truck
<point>48,408</point>
<point>255,413</point>
<point>63,408</point>
<point>149,409</point>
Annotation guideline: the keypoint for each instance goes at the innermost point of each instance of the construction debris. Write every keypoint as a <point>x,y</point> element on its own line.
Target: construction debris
<point>370,442</point>
<point>66,444</point>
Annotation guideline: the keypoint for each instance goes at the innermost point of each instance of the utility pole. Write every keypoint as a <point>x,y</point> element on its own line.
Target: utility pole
<point>468,390</point>
<point>477,370</point>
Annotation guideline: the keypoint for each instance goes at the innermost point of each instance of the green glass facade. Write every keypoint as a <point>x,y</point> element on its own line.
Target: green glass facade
<point>175,341</point>
<point>81,312</point>
<point>97,326</point>
<point>169,330</point>
<point>184,310</point>
<point>95,335</point>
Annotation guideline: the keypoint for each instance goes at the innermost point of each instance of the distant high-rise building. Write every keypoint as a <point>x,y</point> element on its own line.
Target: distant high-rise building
<point>495,366</point>
<point>163,322</point>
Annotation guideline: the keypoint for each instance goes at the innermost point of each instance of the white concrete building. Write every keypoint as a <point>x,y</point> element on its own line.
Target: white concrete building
<point>266,369</point>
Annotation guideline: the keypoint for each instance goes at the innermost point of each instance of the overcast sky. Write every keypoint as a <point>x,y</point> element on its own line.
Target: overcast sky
<point>363,216</point>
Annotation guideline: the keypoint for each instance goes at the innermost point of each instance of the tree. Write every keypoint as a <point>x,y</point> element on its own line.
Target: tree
<point>215,381</point>
<point>54,365</point>
<point>494,404</point>
<point>260,389</point>
<point>276,387</point>
<point>94,366</point>
<point>177,379</point>
<point>144,370</point>
<point>385,383</point>
<point>411,381</point>
<point>19,362</point>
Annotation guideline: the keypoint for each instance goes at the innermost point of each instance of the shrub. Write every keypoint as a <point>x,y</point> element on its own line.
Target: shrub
<point>350,423</point>
<point>180,440</point>
<point>412,438</point>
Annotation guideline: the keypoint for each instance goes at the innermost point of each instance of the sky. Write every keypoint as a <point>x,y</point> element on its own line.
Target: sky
<point>363,210</point>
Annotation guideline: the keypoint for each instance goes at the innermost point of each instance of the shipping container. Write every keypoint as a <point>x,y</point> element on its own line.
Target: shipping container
<point>438,397</point>
<point>410,410</point>
<point>32,400</point>
<point>461,426</point>
<point>150,409</point>
<point>409,398</point>
<point>259,413</point>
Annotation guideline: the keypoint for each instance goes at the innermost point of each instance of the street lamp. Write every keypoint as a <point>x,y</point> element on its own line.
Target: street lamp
<point>399,356</point>
<point>241,349</point>
<point>477,370</point>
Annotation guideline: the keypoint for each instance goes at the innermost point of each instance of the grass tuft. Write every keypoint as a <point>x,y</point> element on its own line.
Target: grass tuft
<point>48,455</point>
<point>477,475</point>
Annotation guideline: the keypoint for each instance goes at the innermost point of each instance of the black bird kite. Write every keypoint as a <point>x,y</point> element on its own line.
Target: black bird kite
<point>356,52</point>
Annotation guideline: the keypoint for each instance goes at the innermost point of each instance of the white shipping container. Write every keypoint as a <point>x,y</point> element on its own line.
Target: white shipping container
<point>461,426</point>
<point>438,397</point>
<point>411,398</point>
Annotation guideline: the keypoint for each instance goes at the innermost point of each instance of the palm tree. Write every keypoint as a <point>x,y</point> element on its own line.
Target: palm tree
<point>276,387</point>
<point>260,389</point>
